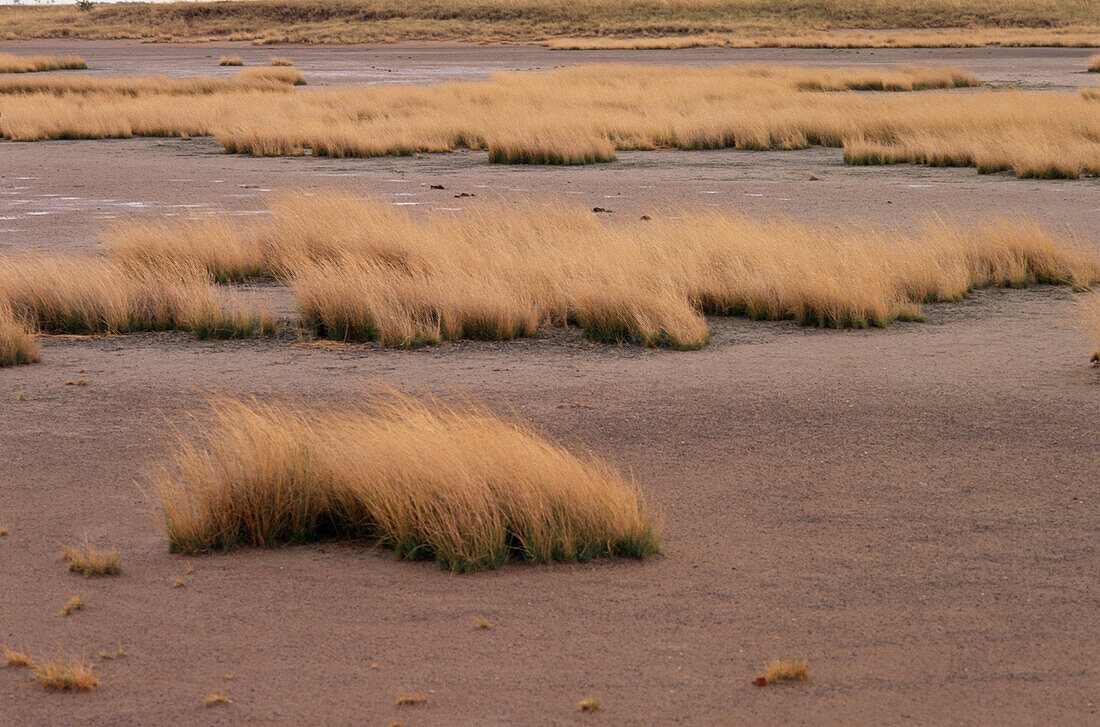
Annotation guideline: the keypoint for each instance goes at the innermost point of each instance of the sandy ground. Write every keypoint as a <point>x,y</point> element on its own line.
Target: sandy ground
<point>912,509</point>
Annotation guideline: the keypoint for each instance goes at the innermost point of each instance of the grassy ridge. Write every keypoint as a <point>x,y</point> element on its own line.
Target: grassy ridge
<point>363,270</point>
<point>346,21</point>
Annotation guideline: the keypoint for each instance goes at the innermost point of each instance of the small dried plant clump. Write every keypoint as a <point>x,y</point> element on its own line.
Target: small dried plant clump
<point>74,604</point>
<point>88,561</point>
<point>1094,63</point>
<point>17,344</point>
<point>780,671</point>
<point>454,484</point>
<point>64,674</point>
<point>591,704</point>
<point>10,63</point>
<point>230,61</point>
<point>410,700</point>
<point>277,61</point>
<point>213,700</point>
<point>15,658</point>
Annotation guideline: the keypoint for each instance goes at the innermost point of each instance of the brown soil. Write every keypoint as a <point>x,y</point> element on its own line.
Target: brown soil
<point>911,509</point>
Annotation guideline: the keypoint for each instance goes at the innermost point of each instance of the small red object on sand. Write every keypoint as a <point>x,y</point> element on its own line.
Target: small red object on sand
<point>760,682</point>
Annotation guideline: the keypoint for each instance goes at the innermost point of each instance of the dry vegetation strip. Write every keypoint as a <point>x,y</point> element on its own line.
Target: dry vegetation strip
<point>584,114</point>
<point>248,80</point>
<point>364,270</point>
<point>348,21</point>
<point>454,484</point>
<point>10,63</point>
<point>1076,37</point>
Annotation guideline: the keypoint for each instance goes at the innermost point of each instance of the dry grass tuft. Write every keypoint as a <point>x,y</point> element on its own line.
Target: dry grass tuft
<point>212,700</point>
<point>74,604</point>
<point>65,674</point>
<point>10,63</point>
<point>1094,63</point>
<point>111,655</point>
<point>17,344</point>
<point>1090,320</point>
<point>90,561</point>
<point>277,61</point>
<point>429,481</point>
<point>15,658</point>
<point>591,704</point>
<point>362,270</point>
<point>481,624</point>
<point>410,700</point>
<point>234,61</point>
<point>784,671</point>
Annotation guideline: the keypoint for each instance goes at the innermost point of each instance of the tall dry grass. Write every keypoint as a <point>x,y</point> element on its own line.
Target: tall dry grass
<point>91,295</point>
<point>1094,63</point>
<point>430,481</point>
<point>11,63</point>
<point>265,79</point>
<point>364,270</point>
<point>17,343</point>
<point>584,114</point>
<point>357,21</point>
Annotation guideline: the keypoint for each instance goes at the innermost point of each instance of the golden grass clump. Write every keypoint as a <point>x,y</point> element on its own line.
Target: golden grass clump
<point>93,295</point>
<point>213,700</point>
<point>785,671</point>
<point>10,63</point>
<point>455,484</point>
<point>1090,320</point>
<point>584,114</point>
<point>745,22</point>
<point>88,560</point>
<point>591,704</point>
<point>363,270</point>
<point>64,674</point>
<point>230,61</point>
<point>410,700</point>
<point>15,658</point>
<point>74,604</point>
<point>1094,63</point>
<point>277,61</point>
<point>18,345</point>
